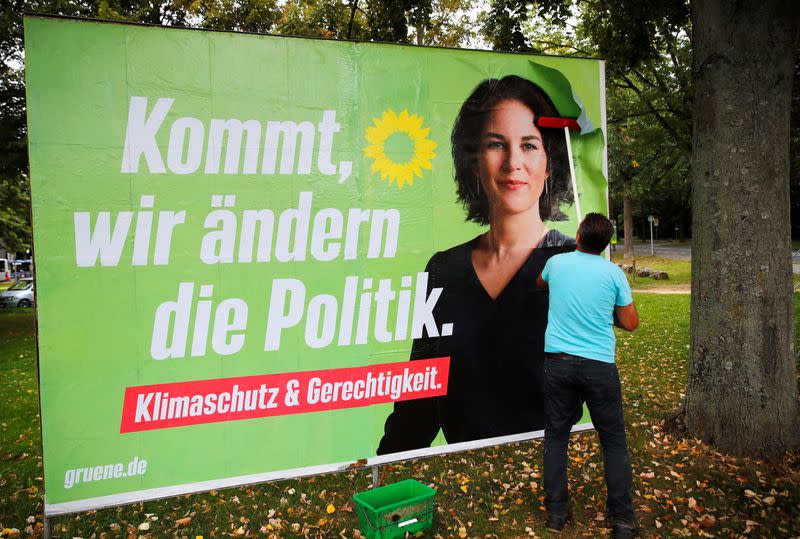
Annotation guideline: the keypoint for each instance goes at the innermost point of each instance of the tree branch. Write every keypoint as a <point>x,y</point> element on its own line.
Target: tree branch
<point>661,120</point>
<point>663,173</point>
<point>661,86</point>
<point>563,45</point>
<point>352,16</point>
<point>678,67</point>
<point>633,115</point>
<point>645,79</point>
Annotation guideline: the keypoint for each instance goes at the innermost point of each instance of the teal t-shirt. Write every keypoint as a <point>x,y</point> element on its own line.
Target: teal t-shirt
<point>584,289</point>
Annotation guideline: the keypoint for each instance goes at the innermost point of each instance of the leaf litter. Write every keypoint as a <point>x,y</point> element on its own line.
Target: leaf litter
<point>682,487</point>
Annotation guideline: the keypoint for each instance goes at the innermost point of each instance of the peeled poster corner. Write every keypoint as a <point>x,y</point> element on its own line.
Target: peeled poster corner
<point>244,230</point>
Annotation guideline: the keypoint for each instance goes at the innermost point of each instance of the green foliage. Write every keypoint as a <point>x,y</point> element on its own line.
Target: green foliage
<point>13,130</point>
<point>329,19</point>
<point>649,60</point>
<point>389,19</point>
<point>15,205</point>
<point>449,23</point>
<point>243,16</point>
<point>630,33</point>
<point>15,232</point>
<point>170,13</point>
<point>505,26</point>
<point>649,130</point>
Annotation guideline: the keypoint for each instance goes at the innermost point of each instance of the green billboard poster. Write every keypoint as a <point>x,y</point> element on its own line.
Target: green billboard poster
<point>262,257</point>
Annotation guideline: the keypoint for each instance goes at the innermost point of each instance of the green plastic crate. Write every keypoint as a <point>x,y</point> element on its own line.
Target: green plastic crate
<point>390,511</point>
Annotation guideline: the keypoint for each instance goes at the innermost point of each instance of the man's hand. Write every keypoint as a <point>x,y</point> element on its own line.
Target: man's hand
<point>541,283</point>
<point>626,317</point>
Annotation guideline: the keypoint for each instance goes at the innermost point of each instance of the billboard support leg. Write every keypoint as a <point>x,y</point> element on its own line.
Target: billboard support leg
<point>376,481</point>
<point>47,532</point>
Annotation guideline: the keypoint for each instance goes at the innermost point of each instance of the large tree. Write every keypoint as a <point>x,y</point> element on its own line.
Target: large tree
<point>742,390</point>
<point>794,150</point>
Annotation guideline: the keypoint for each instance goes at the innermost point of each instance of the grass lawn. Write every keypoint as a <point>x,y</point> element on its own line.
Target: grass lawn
<point>682,486</point>
<point>679,271</point>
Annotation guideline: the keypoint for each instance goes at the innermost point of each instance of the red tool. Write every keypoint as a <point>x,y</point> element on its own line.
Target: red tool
<point>557,122</point>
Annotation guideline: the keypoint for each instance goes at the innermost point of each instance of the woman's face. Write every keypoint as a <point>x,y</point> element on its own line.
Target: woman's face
<point>512,162</point>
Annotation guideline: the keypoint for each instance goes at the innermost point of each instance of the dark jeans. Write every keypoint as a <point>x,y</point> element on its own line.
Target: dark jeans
<point>568,380</point>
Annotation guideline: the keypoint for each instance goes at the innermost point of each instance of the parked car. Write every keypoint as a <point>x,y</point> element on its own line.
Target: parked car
<point>19,294</point>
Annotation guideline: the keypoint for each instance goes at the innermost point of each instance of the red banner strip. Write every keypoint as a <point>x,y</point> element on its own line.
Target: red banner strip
<point>162,406</point>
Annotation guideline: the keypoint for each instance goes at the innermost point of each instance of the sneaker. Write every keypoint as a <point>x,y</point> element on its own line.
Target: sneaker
<point>622,529</point>
<point>557,521</point>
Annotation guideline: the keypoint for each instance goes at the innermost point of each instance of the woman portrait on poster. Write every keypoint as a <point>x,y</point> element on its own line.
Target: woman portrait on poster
<point>511,175</point>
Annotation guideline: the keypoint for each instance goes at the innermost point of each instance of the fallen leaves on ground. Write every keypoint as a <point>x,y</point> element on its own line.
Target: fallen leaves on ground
<point>682,486</point>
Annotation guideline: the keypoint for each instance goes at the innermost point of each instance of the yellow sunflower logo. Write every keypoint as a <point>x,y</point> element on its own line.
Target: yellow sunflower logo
<point>399,147</point>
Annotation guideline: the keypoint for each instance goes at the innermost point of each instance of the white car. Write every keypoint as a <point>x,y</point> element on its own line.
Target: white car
<point>19,294</point>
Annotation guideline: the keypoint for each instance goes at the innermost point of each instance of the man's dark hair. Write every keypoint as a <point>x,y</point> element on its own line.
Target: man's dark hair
<point>595,232</point>
<point>465,141</point>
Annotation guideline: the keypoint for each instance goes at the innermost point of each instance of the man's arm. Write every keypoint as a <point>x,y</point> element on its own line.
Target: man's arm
<point>626,317</point>
<point>541,283</point>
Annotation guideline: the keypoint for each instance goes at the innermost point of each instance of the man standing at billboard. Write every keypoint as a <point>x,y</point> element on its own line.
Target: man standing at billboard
<point>588,294</point>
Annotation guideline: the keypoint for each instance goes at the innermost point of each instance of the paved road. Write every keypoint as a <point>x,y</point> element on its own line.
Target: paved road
<point>683,251</point>
<point>678,251</point>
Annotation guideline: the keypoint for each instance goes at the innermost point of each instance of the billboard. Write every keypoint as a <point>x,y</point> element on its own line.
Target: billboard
<point>263,257</point>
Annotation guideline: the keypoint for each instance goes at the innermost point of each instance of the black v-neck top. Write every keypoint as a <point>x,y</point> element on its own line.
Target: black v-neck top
<point>496,351</point>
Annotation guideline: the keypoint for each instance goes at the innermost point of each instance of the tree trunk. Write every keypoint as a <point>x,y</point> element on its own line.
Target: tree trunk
<point>627,223</point>
<point>683,216</point>
<point>742,391</point>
